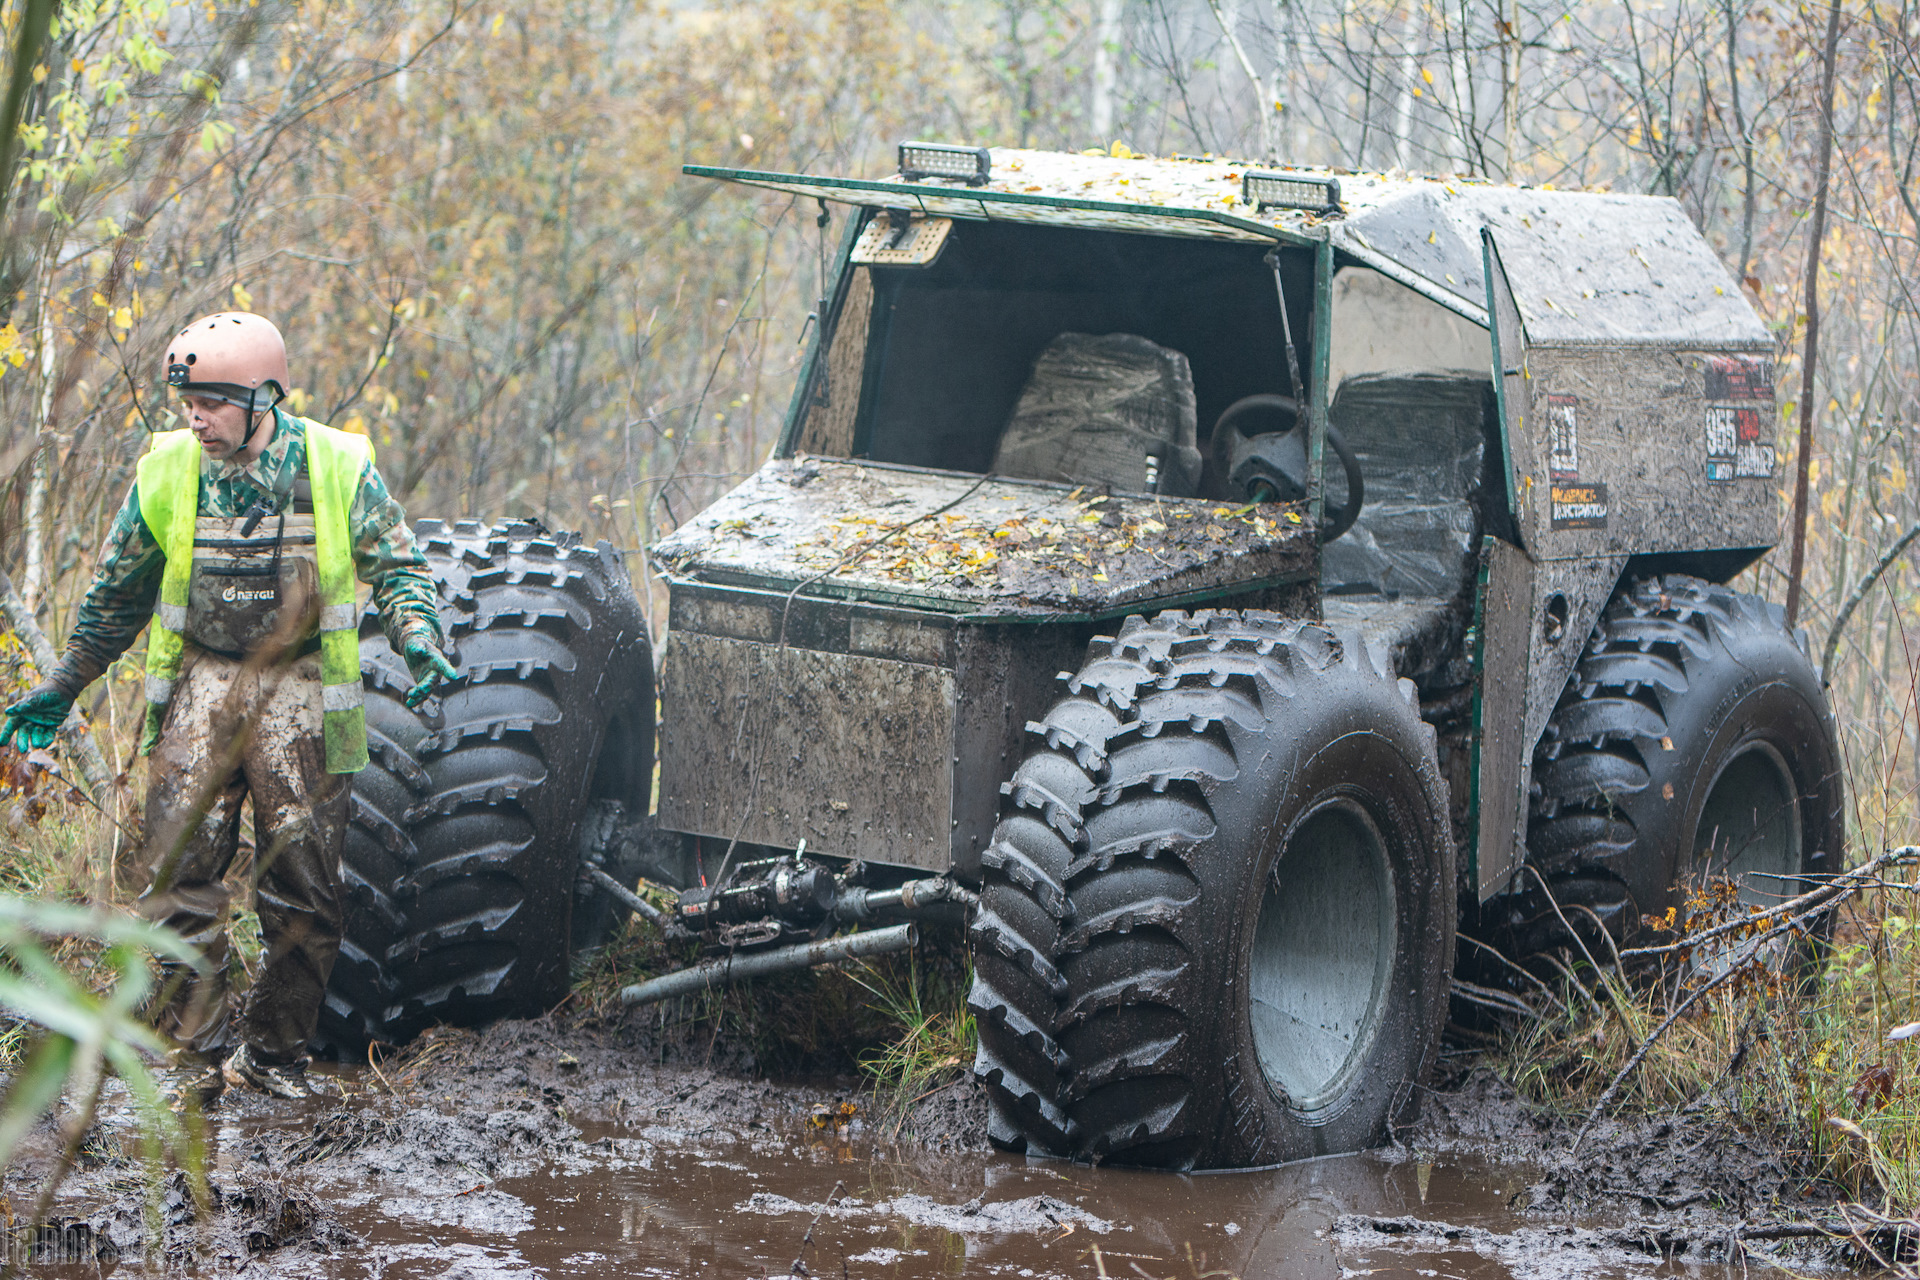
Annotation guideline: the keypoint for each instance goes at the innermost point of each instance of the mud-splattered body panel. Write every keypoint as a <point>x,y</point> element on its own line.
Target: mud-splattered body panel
<point>867,731</point>
<point>1640,451</point>
<point>772,744</point>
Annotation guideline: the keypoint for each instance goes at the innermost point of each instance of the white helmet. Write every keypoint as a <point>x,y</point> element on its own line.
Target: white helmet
<point>234,356</point>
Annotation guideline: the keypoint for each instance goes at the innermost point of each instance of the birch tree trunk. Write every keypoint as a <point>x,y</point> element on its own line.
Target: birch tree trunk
<point>33,576</point>
<point>1279,103</point>
<point>1409,75</point>
<point>1459,99</point>
<point>1264,93</point>
<point>1106,68</point>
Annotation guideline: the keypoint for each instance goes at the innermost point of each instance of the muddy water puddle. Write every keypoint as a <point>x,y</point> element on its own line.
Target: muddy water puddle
<point>666,1203</point>
<point>497,1172</point>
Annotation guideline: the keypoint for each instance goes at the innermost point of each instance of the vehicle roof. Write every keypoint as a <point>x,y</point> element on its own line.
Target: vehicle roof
<point>1586,268</point>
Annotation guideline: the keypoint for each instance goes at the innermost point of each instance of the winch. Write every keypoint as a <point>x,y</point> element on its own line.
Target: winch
<point>761,902</point>
<point>786,898</point>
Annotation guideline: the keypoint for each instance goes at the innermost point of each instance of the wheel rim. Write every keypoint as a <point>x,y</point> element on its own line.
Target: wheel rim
<point>1322,956</point>
<point>1749,829</point>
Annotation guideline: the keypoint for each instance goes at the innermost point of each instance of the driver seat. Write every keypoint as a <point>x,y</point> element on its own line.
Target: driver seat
<point>1114,412</point>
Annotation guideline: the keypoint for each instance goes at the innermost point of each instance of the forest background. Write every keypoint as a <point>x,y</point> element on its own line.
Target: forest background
<point>470,221</point>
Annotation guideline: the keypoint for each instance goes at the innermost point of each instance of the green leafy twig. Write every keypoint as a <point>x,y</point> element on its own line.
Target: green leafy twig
<point>85,1034</point>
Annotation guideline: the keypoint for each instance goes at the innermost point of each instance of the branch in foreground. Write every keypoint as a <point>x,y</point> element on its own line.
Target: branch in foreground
<point>1872,576</point>
<point>1863,876</point>
<point>1807,907</point>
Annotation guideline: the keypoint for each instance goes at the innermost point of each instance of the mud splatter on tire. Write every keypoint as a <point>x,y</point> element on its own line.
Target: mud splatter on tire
<point>1137,959</point>
<point>1016,930</point>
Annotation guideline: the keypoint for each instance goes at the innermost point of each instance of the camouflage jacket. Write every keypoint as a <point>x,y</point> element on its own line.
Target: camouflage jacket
<point>126,582</point>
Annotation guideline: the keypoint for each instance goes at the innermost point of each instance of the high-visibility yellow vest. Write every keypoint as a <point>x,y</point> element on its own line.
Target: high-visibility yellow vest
<point>169,483</point>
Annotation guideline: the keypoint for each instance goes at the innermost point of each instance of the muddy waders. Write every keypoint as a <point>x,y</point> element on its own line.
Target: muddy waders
<point>234,730</point>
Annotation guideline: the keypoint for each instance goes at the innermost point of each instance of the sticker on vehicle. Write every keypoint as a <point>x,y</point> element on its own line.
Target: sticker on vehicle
<point>1578,506</point>
<point>1753,461</point>
<point>1563,437</point>
<point>1734,447</point>
<point>1739,378</point>
<point>1739,391</point>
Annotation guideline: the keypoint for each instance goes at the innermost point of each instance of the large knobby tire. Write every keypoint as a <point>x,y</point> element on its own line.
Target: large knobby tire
<point>1216,926</point>
<point>1693,741</point>
<point>1017,927</point>
<point>462,854</point>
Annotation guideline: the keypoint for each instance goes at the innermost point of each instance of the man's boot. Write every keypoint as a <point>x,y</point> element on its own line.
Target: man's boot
<point>248,1069</point>
<point>191,1081</point>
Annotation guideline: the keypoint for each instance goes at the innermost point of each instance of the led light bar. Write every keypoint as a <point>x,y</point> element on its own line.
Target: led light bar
<point>941,160</point>
<point>1290,191</point>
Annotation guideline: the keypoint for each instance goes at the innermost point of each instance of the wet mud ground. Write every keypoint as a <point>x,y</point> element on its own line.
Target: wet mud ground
<point>527,1149</point>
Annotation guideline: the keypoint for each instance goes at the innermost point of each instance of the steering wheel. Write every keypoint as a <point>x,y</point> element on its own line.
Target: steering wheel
<point>1274,468</point>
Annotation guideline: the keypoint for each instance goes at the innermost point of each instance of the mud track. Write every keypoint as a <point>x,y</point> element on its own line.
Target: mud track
<point>531,1148</point>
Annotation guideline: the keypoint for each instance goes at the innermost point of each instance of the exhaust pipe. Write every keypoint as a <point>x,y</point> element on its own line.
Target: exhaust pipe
<point>726,970</point>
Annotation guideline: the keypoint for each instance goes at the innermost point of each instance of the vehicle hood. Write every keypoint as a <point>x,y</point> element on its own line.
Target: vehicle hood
<point>981,546</point>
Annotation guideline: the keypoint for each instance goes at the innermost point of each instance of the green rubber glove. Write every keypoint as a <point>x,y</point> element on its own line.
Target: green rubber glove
<point>32,721</point>
<point>429,668</point>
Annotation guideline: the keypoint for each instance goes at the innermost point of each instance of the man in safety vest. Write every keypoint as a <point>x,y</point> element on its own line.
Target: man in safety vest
<point>241,540</point>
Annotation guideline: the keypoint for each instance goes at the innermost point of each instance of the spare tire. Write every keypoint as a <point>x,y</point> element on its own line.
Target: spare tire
<point>462,852</point>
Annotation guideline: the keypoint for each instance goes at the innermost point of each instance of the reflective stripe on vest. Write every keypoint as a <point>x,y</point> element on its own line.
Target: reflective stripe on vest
<point>169,484</point>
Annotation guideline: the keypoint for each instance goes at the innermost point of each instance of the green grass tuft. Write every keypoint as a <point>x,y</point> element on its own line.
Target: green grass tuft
<point>935,1038</point>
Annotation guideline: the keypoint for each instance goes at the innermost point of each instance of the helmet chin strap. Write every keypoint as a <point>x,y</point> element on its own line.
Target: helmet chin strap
<point>266,414</point>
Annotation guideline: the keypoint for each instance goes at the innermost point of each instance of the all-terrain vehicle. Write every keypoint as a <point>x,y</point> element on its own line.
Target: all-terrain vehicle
<point>1219,582</point>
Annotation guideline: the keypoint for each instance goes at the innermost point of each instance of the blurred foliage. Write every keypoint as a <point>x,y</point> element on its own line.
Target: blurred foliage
<point>82,1023</point>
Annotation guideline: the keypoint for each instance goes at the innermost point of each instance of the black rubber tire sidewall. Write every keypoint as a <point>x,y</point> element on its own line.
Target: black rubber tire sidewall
<point>1758,707</point>
<point>1379,768</point>
<point>1755,686</point>
<point>1120,1034</point>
